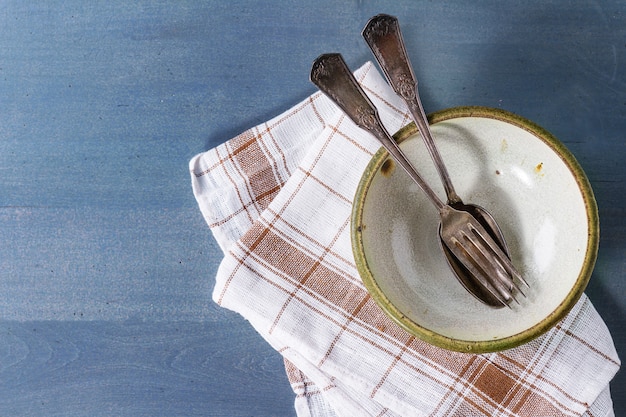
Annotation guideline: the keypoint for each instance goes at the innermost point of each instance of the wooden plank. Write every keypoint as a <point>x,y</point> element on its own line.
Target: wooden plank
<point>139,369</point>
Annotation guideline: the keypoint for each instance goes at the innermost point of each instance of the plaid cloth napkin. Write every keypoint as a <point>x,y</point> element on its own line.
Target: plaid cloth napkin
<point>278,199</point>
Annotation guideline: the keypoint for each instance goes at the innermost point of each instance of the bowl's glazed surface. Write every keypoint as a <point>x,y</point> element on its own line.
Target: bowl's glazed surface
<point>535,190</point>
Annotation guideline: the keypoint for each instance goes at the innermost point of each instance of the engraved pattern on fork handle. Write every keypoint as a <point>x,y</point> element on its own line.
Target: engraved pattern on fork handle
<point>333,77</point>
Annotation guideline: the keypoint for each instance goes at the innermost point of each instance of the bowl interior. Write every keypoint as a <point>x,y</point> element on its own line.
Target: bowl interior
<point>534,189</point>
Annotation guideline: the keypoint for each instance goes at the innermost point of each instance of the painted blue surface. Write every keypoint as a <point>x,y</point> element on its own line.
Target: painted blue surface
<point>106,266</point>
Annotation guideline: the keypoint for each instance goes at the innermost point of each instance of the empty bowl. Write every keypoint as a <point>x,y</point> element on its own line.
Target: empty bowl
<point>533,187</point>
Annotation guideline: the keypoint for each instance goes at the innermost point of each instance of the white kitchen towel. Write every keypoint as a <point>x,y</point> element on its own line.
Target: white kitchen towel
<point>278,199</point>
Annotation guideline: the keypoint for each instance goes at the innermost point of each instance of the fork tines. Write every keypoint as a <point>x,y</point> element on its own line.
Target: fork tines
<point>485,260</point>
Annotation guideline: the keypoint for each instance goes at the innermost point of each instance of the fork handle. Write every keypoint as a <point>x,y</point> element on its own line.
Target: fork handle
<point>331,75</point>
<point>383,36</point>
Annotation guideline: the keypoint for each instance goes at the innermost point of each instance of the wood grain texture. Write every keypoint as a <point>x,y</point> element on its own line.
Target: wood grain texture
<point>137,368</point>
<point>106,266</point>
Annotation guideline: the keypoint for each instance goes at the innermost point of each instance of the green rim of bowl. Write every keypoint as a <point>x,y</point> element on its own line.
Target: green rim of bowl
<point>509,342</point>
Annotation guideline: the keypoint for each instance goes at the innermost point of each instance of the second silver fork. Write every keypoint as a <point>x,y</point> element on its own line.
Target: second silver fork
<point>462,234</point>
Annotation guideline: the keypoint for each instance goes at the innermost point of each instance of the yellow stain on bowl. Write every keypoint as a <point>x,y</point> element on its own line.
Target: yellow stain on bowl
<point>539,169</point>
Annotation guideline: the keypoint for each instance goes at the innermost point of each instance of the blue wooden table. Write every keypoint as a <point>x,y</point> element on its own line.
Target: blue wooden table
<point>106,265</point>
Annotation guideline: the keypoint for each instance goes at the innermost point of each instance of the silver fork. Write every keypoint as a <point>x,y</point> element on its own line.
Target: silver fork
<point>384,37</point>
<point>461,233</point>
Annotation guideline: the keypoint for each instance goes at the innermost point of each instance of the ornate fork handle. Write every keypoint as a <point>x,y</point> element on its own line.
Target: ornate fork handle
<point>333,77</point>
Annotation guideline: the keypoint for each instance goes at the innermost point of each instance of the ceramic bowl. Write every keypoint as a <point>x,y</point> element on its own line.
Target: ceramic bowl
<point>533,187</point>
